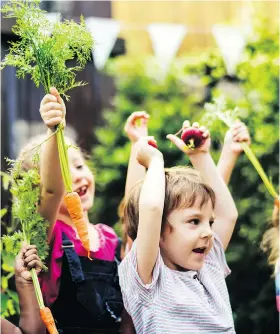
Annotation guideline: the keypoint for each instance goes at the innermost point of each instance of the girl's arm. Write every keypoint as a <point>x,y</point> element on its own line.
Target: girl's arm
<point>232,149</point>
<point>225,209</point>
<point>151,203</point>
<point>52,111</point>
<point>134,131</point>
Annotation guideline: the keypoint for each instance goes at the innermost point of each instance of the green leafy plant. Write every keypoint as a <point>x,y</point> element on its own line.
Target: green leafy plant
<point>218,110</point>
<point>43,55</point>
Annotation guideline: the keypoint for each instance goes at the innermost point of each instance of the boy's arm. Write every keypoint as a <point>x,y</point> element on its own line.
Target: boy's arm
<point>135,171</point>
<point>52,112</point>
<point>151,203</point>
<point>225,209</point>
<point>232,149</point>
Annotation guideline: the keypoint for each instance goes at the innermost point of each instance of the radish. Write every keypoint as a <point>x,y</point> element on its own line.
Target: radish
<point>153,143</point>
<point>192,137</point>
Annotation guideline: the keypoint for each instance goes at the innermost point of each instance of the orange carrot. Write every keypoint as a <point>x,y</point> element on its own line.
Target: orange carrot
<point>74,206</point>
<point>48,320</point>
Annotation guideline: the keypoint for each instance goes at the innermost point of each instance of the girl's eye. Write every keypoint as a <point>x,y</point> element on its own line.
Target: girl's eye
<point>194,221</point>
<point>80,167</point>
<point>211,222</point>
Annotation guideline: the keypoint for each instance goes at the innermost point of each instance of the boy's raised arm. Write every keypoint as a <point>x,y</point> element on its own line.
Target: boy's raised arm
<point>225,209</point>
<point>151,203</point>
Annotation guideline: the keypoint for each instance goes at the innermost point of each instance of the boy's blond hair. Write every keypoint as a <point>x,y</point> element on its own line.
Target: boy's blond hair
<point>182,187</point>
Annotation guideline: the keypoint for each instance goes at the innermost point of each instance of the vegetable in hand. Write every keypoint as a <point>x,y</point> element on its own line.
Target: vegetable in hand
<point>192,137</point>
<point>48,320</point>
<point>153,143</point>
<point>74,206</point>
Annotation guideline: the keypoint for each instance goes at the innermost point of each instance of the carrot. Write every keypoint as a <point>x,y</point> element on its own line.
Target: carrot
<point>74,206</point>
<point>48,320</point>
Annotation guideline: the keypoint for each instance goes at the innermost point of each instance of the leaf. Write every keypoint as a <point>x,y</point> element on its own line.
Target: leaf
<point>4,282</point>
<point>3,212</point>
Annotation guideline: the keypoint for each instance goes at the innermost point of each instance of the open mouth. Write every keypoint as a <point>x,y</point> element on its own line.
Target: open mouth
<point>200,250</point>
<point>82,191</point>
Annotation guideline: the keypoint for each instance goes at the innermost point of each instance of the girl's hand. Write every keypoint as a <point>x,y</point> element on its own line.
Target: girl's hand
<point>237,134</point>
<point>52,109</point>
<point>133,130</point>
<point>204,148</point>
<point>146,152</point>
<point>26,260</point>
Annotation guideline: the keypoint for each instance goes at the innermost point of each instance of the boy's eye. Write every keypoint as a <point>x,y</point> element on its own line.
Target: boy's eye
<point>194,221</point>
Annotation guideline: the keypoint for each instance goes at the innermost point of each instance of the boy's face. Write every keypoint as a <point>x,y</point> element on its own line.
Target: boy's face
<point>186,244</point>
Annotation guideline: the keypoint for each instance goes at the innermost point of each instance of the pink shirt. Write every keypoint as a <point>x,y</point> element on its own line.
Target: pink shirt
<point>50,280</point>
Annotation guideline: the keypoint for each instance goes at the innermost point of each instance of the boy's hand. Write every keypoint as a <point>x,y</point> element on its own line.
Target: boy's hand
<point>237,134</point>
<point>204,148</point>
<point>146,152</point>
<point>133,130</point>
<point>52,109</point>
<point>27,259</point>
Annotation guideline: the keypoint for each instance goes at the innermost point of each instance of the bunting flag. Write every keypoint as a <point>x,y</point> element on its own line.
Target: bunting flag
<point>231,42</point>
<point>105,32</point>
<point>166,39</point>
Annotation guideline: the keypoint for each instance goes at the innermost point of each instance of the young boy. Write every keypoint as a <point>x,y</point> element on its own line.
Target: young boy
<point>173,279</point>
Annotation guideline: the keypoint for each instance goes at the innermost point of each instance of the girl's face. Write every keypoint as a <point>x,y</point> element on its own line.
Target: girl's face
<point>185,245</point>
<point>82,179</point>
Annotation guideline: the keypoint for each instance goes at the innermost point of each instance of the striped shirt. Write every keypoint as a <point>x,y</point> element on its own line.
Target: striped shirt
<point>178,302</point>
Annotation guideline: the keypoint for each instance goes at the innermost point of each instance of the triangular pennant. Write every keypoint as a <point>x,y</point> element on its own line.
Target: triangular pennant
<point>166,39</point>
<point>231,42</point>
<point>105,32</point>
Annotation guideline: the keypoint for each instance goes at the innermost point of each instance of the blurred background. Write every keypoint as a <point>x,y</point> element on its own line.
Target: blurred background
<point>168,58</point>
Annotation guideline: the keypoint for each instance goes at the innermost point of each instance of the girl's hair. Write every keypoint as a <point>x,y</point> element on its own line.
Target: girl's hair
<point>183,187</point>
<point>121,217</point>
<point>270,242</point>
<point>32,147</point>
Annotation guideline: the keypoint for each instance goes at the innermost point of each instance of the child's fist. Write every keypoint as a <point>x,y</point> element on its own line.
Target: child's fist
<point>136,125</point>
<point>146,151</point>
<point>52,109</point>
<point>27,259</point>
<point>237,134</point>
<point>197,137</point>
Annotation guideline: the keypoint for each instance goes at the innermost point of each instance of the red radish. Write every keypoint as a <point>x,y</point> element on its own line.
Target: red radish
<point>192,137</point>
<point>153,143</point>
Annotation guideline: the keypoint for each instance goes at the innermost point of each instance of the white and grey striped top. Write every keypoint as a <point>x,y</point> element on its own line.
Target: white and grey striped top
<point>178,302</point>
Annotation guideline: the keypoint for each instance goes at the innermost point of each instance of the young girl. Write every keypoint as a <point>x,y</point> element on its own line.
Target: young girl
<point>173,279</point>
<point>84,296</point>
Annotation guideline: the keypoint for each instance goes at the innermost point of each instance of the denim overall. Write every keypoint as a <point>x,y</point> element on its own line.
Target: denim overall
<point>90,300</point>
